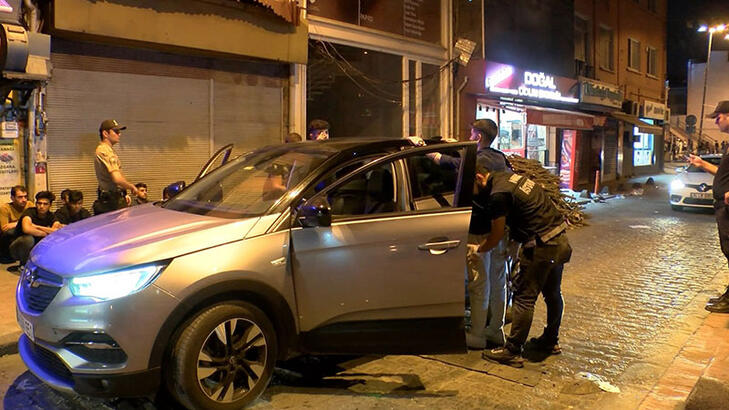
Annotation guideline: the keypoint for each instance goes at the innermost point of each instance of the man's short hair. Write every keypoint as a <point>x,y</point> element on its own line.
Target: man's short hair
<point>140,185</point>
<point>487,128</point>
<point>315,125</point>
<point>45,195</point>
<point>75,196</point>
<point>64,193</point>
<point>14,190</point>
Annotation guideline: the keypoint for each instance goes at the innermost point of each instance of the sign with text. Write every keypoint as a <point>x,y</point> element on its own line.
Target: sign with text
<point>418,19</point>
<point>9,168</point>
<point>599,93</point>
<point>654,110</point>
<point>507,80</point>
<point>567,159</point>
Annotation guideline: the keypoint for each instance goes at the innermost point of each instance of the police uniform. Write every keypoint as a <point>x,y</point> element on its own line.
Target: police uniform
<point>535,222</point>
<point>110,197</point>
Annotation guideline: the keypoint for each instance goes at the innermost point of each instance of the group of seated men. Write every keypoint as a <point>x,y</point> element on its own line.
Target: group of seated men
<point>24,223</point>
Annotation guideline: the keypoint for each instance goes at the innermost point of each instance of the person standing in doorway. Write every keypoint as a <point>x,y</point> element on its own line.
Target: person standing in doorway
<point>720,188</point>
<point>113,186</point>
<point>486,270</point>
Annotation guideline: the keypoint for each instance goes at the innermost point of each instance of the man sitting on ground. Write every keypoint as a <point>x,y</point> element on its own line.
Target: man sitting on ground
<point>74,210</point>
<point>34,224</point>
<point>9,216</point>
<point>141,197</point>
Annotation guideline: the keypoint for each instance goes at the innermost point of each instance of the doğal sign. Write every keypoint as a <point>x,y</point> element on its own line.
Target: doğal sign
<point>504,79</point>
<point>595,92</point>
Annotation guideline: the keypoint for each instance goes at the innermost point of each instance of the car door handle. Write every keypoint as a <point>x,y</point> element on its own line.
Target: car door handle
<point>439,247</point>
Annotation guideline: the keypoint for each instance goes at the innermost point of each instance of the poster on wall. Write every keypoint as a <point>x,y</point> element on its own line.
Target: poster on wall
<point>567,159</point>
<point>9,168</point>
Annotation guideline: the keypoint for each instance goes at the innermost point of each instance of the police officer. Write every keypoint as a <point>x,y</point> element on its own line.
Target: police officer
<point>533,220</point>
<point>112,193</point>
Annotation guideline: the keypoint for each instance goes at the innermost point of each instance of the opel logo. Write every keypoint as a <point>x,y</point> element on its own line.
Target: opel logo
<point>703,188</point>
<point>31,278</point>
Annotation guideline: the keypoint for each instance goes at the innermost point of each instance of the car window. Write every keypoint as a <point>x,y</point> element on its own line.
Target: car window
<point>372,191</point>
<point>433,184</point>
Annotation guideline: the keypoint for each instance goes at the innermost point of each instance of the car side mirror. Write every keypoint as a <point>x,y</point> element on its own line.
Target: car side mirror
<point>316,212</point>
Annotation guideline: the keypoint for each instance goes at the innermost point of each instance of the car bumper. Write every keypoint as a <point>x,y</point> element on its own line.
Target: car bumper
<point>89,346</point>
<point>45,364</point>
<point>689,197</point>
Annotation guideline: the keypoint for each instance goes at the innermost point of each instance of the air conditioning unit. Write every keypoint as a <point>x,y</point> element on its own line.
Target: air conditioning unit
<point>631,107</point>
<point>24,55</point>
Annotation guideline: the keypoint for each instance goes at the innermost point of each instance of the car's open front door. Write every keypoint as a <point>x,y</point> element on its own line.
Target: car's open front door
<point>218,159</point>
<point>387,275</point>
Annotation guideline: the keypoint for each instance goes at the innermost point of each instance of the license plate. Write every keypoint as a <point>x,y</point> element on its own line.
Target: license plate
<point>26,326</point>
<point>701,195</point>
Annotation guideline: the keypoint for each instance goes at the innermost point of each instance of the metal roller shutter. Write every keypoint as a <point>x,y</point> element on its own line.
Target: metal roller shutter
<point>168,127</point>
<point>247,116</point>
<point>610,155</point>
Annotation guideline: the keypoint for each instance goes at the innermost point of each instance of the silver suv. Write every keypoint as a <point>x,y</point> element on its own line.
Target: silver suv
<point>345,246</point>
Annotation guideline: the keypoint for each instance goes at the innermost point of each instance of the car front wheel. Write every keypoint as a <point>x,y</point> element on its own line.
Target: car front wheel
<point>223,358</point>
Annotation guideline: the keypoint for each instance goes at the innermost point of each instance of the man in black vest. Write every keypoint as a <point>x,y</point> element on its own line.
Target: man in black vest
<point>720,188</point>
<point>535,222</point>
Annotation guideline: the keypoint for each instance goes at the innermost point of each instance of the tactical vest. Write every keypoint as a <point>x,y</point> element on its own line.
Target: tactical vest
<point>533,215</point>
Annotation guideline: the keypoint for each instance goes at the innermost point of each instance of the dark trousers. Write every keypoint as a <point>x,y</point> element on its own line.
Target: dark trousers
<point>109,201</point>
<point>721,212</point>
<point>6,238</point>
<point>540,271</point>
<point>20,248</point>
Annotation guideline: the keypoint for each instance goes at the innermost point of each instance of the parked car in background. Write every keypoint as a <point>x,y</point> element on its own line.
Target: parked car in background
<point>344,246</point>
<point>692,186</point>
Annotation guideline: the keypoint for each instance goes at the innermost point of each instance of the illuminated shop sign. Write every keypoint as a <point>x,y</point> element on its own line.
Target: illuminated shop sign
<point>508,80</point>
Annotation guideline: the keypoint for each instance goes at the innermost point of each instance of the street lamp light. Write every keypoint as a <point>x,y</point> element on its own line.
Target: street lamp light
<point>715,29</point>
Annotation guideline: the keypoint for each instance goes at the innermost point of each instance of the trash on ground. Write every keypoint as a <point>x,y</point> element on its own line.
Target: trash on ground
<point>600,381</point>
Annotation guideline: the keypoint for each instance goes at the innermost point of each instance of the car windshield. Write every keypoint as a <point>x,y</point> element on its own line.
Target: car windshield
<point>712,160</point>
<point>249,185</point>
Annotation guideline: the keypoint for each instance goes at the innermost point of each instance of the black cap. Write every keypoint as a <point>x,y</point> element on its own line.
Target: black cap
<point>107,125</point>
<point>721,108</point>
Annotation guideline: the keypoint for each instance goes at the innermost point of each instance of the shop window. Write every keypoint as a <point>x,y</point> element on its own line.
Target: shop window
<point>642,148</point>
<point>431,100</point>
<point>634,54</point>
<point>511,136</point>
<point>652,61</point>
<point>607,48</point>
<point>358,91</point>
<point>537,143</point>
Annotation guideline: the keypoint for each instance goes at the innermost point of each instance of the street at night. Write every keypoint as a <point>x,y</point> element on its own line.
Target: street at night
<point>634,296</point>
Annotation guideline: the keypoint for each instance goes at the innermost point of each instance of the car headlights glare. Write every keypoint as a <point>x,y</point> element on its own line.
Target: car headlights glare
<point>116,284</point>
<point>677,184</point>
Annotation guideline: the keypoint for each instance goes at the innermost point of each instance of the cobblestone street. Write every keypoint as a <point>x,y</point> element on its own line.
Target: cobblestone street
<point>634,293</point>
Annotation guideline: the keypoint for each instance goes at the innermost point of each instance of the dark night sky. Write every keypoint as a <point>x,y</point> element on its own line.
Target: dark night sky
<point>684,42</point>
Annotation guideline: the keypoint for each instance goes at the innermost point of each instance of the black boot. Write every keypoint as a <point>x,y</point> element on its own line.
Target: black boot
<point>721,306</point>
<point>718,299</point>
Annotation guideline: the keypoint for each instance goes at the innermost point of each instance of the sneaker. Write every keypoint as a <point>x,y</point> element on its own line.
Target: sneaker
<point>475,342</point>
<point>721,297</point>
<point>540,343</point>
<point>504,356</point>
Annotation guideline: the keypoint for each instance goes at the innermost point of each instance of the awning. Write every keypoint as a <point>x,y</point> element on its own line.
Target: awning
<point>283,8</point>
<point>643,127</point>
<point>559,118</point>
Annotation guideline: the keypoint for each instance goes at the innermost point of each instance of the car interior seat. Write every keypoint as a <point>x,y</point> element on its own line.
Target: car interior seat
<point>380,192</point>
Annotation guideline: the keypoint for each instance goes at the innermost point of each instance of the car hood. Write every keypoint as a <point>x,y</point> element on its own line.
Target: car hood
<point>696,178</point>
<point>132,236</point>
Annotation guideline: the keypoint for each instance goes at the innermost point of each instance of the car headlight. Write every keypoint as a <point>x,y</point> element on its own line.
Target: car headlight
<point>677,184</point>
<point>115,284</point>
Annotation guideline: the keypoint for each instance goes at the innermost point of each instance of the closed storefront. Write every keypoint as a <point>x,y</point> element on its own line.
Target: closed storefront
<point>178,111</point>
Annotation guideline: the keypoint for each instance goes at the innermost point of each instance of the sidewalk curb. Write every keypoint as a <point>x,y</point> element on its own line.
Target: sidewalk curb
<point>9,343</point>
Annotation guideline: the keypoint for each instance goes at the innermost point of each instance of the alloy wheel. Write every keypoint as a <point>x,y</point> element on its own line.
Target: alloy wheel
<point>232,360</point>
